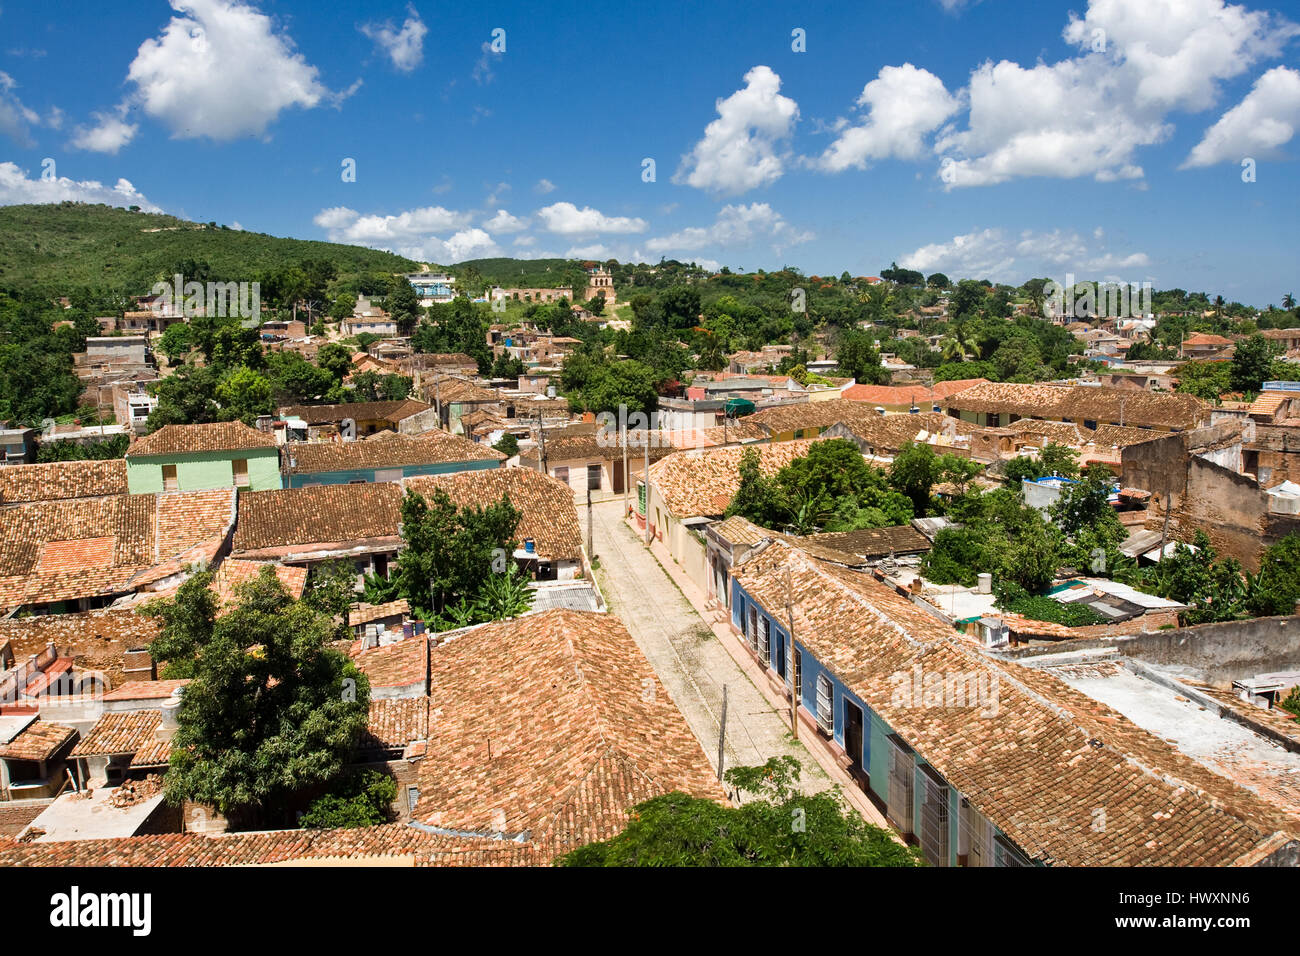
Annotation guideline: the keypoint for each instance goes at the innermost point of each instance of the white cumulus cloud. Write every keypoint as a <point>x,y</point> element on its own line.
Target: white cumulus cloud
<point>1088,115</point>
<point>404,46</point>
<point>504,222</point>
<point>735,226</point>
<point>992,254</point>
<point>905,104</point>
<point>109,134</point>
<point>16,188</point>
<point>739,148</point>
<point>411,233</point>
<point>222,70</point>
<point>1263,121</point>
<point>566,219</point>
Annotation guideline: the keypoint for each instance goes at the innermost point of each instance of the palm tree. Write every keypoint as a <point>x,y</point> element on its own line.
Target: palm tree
<point>1288,301</point>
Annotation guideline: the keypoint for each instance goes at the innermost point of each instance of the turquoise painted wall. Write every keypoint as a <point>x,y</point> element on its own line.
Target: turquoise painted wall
<point>875,732</point>
<point>198,471</point>
<point>410,471</point>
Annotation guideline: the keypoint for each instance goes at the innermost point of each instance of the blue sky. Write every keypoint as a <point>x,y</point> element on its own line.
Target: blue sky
<point>998,138</point>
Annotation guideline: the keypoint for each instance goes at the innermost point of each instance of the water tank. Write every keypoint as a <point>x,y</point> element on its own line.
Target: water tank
<point>985,583</point>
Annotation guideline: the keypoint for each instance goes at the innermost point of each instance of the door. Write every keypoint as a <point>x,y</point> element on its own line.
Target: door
<point>853,738</point>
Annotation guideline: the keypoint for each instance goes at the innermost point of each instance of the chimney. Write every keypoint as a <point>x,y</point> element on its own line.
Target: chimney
<point>170,707</point>
<point>138,664</point>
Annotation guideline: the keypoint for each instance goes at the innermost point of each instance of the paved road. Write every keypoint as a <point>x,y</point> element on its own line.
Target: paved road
<point>685,653</point>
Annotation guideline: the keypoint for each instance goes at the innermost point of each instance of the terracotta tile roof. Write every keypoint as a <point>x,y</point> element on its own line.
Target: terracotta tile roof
<point>393,451</point>
<point>917,394</point>
<point>592,448</point>
<point>63,550</point>
<point>875,542</point>
<point>452,390</point>
<point>365,613</point>
<point>62,479</point>
<point>889,433</point>
<point>152,753</point>
<point>325,514</point>
<point>693,483</point>
<point>799,415</point>
<point>1046,760</point>
<point>544,725</point>
<point>1206,338</point>
<point>738,530</point>
<point>1113,436</point>
<point>189,439</point>
<point>733,432</point>
<point>395,722</point>
<point>39,740</point>
<point>550,517</point>
<point>124,732</point>
<point>236,571</point>
<point>146,689</point>
<point>357,411</point>
<point>1061,433</point>
<point>389,842</point>
<point>95,640</point>
<point>1100,403</point>
<point>944,390</point>
<point>400,664</point>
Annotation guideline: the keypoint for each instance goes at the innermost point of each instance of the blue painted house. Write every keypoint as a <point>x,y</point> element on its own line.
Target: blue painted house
<point>977,760</point>
<point>384,458</point>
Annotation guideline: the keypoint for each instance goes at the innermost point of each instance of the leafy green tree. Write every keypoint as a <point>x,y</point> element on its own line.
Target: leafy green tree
<point>403,304</point>
<point>362,799</point>
<point>756,497</point>
<point>1275,590</point>
<point>1252,362</point>
<point>244,394</point>
<point>270,710</point>
<point>343,306</point>
<point>1207,380</point>
<point>858,357</point>
<point>175,342</point>
<point>679,830</point>
<point>508,445</point>
<point>336,359</point>
<point>504,595</point>
<point>1213,590</point>
<point>64,450</point>
<point>914,471</point>
<point>332,590</point>
<point>294,379</point>
<point>448,552</point>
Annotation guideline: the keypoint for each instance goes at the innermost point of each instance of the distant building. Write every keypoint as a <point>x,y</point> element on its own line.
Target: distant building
<point>198,457</point>
<point>432,287</point>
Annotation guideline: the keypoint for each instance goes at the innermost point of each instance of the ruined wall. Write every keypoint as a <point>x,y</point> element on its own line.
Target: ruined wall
<point>1158,466</point>
<point>1216,653</point>
<point>1274,455</point>
<point>1228,507</point>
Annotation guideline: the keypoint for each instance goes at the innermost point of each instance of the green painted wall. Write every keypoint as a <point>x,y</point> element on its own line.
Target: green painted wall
<point>198,471</point>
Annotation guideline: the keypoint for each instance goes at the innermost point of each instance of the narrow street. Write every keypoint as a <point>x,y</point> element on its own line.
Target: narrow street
<point>685,653</point>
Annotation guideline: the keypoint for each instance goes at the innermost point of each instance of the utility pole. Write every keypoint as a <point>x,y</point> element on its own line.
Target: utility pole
<point>645,438</point>
<point>591,547</point>
<point>794,690</point>
<point>626,477</point>
<point>722,732</point>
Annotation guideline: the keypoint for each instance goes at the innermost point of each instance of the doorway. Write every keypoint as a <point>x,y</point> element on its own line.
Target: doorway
<point>853,739</point>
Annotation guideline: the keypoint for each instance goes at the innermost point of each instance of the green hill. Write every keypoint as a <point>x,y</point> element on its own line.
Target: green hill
<point>527,273</point>
<point>58,247</point>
